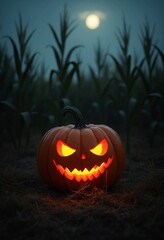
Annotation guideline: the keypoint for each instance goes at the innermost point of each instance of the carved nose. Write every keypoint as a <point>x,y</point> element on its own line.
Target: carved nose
<point>83,156</point>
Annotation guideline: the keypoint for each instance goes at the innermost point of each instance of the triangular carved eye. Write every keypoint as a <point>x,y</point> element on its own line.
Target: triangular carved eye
<point>63,149</point>
<point>101,148</point>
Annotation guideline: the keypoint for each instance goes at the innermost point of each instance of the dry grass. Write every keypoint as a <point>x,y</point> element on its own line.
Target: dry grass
<point>131,209</point>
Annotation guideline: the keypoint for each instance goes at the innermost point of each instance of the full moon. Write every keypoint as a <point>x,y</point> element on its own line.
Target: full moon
<point>92,21</point>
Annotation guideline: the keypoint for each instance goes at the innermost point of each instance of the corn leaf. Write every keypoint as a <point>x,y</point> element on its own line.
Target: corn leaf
<point>29,37</point>
<point>26,117</point>
<point>65,102</point>
<point>105,89</point>
<point>16,57</point>
<point>70,53</point>
<point>28,67</point>
<point>119,67</point>
<point>66,83</point>
<point>154,95</point>
<point>154,61</point>
<point>122,114</point>
<point>144,79</point>
<point>7,105</point>
<point>52,72</point>
<point>55,37</point>
<point>160,53</point>
<point>96,81</point>
<point>132,105</point>
<point>57,57</point>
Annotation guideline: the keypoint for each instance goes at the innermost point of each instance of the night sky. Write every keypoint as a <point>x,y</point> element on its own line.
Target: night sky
<point>38,13</point>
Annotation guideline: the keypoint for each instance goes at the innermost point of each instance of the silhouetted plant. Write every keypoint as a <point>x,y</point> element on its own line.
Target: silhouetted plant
<point>6,73</point>
<point>18,111</point>
<point>102,82</point>
<point>61,77</point>
<point>150,55</point>
<point>125,97</point>
<point>153,104</point>
<point>160,54</point>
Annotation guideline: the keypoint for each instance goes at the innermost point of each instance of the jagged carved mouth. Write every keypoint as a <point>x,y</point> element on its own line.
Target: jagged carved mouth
<point>85,174</point>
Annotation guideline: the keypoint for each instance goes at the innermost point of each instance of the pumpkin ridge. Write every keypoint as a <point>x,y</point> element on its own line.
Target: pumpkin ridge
<point>67,130</point>
<point>49,154</point>
<point>48,137</point>
<point>118,147</point>
<point>109,140</point>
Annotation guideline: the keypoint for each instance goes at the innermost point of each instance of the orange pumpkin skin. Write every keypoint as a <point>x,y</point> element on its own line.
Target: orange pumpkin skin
<point>94,156</point>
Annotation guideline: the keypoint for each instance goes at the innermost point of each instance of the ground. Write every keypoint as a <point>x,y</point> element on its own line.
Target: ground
<point>133,208</point>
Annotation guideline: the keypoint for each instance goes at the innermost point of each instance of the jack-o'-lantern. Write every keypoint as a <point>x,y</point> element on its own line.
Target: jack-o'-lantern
<point>73,155</point>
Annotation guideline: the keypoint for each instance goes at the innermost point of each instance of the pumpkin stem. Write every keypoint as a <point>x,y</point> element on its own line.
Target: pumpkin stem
<point>79,120</point>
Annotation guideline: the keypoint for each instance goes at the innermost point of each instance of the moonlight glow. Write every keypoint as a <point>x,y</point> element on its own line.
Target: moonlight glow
<point>92,21</point>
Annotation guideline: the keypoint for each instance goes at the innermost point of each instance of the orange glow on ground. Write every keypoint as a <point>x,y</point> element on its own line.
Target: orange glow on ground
<point>83,175</point>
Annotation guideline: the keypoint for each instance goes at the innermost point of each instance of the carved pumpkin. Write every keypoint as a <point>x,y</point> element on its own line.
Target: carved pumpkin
<point>73,155</point>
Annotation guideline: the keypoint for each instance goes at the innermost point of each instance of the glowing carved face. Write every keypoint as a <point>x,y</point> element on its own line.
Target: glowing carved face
<point>99,150</point>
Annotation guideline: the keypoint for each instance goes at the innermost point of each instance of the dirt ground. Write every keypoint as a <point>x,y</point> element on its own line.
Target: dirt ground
<point>133,208</point>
